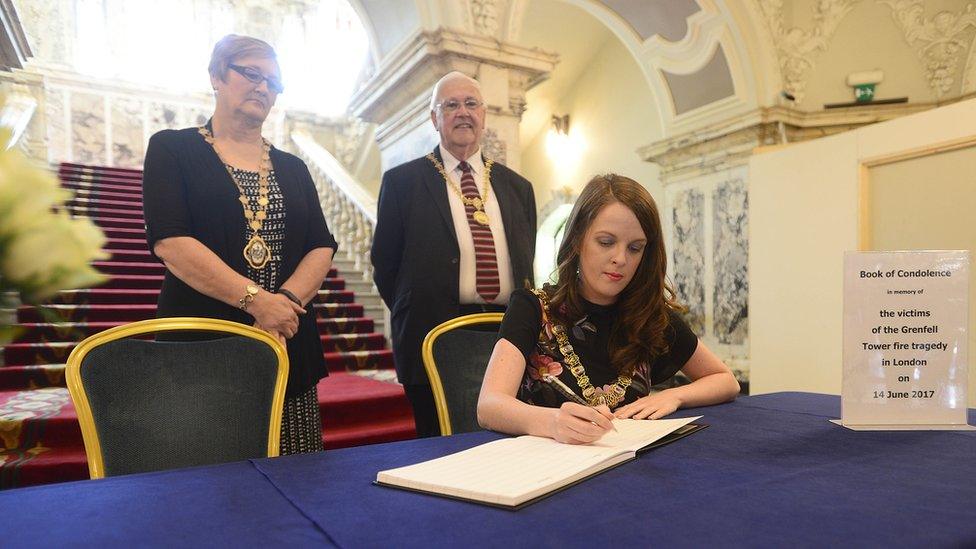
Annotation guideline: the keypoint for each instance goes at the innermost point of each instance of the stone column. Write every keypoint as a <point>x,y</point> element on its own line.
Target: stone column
<point>397,97</point>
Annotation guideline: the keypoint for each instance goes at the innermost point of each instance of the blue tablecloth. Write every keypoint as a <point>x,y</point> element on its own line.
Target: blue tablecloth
<point>769,471</point>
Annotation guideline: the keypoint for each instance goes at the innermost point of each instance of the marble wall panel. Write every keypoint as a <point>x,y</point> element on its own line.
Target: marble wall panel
<point>730,229</point>
<point>195,116</point>
<point>45,23</point>
<point>689,255</point>
<point>163,116</point>
<point>88,128</point>
<point>127,138</point>
<point>57,136</point>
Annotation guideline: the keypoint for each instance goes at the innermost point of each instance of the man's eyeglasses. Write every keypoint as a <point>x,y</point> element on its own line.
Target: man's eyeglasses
<point>452,105</point>
<point>255,76</point>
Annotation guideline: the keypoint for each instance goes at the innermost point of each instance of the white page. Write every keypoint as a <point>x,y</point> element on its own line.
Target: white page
<point>508,469</point>
<point>634,434</point>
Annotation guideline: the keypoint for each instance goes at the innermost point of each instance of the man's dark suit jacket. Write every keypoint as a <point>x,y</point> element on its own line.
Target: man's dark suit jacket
<point>416,257</point>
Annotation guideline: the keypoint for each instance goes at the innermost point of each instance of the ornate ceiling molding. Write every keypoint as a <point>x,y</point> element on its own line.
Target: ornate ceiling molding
<point>938,39</point>
<point>796,48</point>
<point>692,52</point>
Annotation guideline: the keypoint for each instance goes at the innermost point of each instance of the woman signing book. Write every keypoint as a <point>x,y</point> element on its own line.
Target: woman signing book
<point>576,354</point>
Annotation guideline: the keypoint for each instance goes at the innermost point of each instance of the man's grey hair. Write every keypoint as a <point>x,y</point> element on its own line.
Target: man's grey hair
<point>450,77</point>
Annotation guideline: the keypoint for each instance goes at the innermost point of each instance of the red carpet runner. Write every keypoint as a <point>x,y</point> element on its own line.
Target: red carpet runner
<point>40,440</point>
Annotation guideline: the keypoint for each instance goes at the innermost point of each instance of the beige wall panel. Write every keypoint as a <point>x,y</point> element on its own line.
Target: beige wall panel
<point>867,39</point>
<point>927,203</point>
<point>804,215</point>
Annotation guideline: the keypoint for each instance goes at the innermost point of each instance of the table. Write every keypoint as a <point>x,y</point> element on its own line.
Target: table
<point>769,471</point>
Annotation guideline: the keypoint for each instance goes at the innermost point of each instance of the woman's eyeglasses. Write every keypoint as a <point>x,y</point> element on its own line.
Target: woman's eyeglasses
<point>255,76</point>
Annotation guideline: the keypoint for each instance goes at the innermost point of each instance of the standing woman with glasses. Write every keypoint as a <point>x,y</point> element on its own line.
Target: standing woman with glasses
<point>239,227</point>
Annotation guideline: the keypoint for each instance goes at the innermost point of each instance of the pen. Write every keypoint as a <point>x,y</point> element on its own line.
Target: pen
<point>567,393</point>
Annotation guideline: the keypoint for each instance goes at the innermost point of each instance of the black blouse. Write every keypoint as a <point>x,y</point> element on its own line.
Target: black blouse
<point>590,338</point>
<point>188,192</point>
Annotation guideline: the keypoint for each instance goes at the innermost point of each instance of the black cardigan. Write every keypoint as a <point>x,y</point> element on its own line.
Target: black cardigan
<point>187,192</point>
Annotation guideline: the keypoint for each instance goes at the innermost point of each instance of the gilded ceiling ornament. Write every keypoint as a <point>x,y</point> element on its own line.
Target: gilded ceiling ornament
<point>939,40</point>
<point>796,48</point>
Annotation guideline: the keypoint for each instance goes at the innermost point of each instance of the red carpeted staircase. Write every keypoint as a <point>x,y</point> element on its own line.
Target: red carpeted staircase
<point>40,440</point>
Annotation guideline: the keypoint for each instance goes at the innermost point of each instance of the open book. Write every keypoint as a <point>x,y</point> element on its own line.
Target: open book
<point>513,472</point>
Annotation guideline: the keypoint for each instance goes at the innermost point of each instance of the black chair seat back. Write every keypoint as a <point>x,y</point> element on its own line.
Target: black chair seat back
<point>461,356</point>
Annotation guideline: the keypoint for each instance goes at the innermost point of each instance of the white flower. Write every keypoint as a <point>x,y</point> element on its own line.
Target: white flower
<point>42,249</point>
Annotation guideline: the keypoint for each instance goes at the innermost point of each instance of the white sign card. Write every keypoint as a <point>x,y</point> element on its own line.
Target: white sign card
<point>905,329</point>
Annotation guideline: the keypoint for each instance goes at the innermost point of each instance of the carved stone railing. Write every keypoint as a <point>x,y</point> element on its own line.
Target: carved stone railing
<point>349,209</point>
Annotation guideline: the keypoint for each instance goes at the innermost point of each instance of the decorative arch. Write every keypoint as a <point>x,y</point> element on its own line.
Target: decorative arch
<point>712,29</point>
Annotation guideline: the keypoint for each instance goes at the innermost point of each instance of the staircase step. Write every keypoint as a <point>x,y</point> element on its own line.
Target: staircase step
<point>79,185</point>
<point>147,267</point>
<point>346,398</point>
<point>92,211</point>
<point>33,376</point>
<point>392,429</point>
<point>132,185</point>
<point>358,410</point>
<point>97,204</point>
<point>359,360</point>
<point>138,244</point>
<point>107,295</point>
<point>87,313</point>
<point>99,193</point>
<point>345,325</point>
<point>335,296</point>
<point>129,255</point>
<point>337,310</point>
<point>61,331</point>
<point>134,281</point>
<point>137,233</point>
<point>26,354</point>
<point>342,343</point>
<point>90,168</point>
<point>108,222</point>
<point>46,466</point>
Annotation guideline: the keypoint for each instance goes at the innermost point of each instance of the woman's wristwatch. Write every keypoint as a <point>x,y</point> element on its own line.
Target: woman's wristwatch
<point>291,296</point>
<point>250,291</point>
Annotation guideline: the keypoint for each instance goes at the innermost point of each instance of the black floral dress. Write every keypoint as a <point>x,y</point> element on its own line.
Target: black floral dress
<point>526,327</point>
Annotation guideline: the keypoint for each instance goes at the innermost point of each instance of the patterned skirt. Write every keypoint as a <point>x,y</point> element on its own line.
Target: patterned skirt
<point>301,424</point>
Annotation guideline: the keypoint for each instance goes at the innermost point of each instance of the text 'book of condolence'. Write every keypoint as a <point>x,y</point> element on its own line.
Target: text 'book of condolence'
<point>499,473</point>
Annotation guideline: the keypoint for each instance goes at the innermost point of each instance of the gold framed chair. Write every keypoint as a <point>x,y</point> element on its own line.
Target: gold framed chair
<point>455,357</point>
<point>148,405</point>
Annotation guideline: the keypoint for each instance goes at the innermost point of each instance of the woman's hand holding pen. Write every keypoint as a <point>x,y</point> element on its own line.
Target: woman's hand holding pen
<point>578,424</point>
<point>653,406</point>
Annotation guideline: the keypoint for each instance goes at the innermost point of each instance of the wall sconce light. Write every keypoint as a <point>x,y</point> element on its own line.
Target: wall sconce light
<point>560,145</point>
<point>560,124</point>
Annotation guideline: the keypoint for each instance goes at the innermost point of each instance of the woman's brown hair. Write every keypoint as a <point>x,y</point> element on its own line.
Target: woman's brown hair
<point>638,333</point>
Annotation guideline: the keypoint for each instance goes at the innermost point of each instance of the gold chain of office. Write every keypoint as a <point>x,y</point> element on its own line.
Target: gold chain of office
<point>617,389</point>
<point>477,202</point>
<point>256,251</point>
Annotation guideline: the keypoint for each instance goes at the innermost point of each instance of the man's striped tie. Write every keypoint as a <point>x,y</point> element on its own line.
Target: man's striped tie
<point>484,244</point>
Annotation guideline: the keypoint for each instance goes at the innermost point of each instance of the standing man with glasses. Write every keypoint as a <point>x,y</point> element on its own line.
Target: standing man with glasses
<point>455,234</point>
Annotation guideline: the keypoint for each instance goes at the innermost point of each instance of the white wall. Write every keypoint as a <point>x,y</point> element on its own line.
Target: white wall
<point>610,113</point>
<point>803,216</point>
